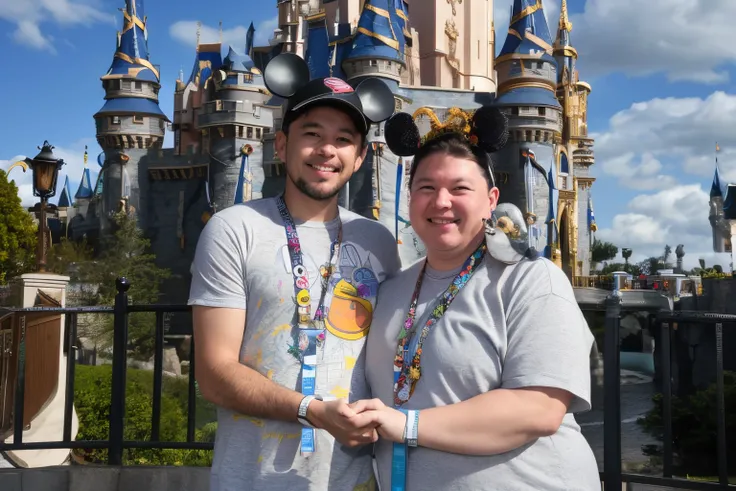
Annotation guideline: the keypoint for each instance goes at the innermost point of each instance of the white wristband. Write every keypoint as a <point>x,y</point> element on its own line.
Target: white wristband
<point>412,428</point>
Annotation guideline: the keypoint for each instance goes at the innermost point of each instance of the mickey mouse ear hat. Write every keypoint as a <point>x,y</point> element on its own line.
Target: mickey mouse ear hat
<point>486,128</point>
<point>287,76</point>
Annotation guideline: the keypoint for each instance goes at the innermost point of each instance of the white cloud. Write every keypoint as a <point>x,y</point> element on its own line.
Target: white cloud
<point>649,141</point>
<point>678,215</point>
<point>28,15</point>
<point>185,31</point>
<point>73,156</point>
<point>684,39</point>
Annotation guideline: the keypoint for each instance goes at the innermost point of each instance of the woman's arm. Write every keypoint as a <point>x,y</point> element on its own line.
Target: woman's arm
<point>492,423</point>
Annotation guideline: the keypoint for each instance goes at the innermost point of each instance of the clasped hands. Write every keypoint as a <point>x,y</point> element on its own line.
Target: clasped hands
<point>358,423</point>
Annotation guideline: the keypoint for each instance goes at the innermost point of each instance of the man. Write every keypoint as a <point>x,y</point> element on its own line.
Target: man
<point>283,291</point>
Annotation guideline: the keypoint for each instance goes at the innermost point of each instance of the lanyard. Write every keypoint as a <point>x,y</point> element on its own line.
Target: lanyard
<point>311,330</point>
<point>406,375</point>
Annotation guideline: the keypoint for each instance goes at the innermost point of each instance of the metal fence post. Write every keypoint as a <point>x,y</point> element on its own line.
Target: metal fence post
<point>612,394</point>
<point>119,367</point>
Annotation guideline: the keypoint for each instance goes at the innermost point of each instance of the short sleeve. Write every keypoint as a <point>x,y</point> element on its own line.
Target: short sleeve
<point>549,345</point>
<point>218,269</point>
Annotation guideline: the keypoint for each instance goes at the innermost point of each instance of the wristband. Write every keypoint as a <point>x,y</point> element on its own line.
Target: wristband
<point>412,428</point>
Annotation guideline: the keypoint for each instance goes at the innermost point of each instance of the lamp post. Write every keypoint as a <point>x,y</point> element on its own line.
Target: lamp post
<point>45,168</point>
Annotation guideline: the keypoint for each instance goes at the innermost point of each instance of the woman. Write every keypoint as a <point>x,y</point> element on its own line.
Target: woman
<point>477,356</point>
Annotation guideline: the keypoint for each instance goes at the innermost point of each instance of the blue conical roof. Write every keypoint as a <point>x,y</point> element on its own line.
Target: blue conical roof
<point>528,31</point>
<point>84,191</point>
<point>65,198</point>
<point>716,189</point>
<point>377,36</point>
<point>131,56</point>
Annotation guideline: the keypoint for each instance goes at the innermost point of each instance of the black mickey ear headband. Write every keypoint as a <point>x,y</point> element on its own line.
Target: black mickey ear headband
<point>287,76</point>
<point>487,128</point>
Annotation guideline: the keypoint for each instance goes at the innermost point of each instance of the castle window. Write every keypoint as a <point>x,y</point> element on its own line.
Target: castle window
<point>542,111</point>
<point>514,111</point>
<point>138,85</point>
<point>138,119</point>
<point>115,120</point>
<point>240,132</point>
<point>249,133</point>
<point>258,133</point>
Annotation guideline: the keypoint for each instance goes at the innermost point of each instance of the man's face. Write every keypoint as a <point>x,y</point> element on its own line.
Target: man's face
<point>322,151</point>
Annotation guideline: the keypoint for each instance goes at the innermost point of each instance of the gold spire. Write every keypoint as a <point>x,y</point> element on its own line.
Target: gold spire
<point>565,23</point>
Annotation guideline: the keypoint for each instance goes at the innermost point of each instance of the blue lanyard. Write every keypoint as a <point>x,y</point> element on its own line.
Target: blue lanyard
<point>407,367</point>
<point>311,330</point>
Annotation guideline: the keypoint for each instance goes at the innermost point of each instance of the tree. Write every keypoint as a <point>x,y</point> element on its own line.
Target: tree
<point>602,251</point>
<point>17,233</point>
<point>124,253</point>
<point>666,256</point>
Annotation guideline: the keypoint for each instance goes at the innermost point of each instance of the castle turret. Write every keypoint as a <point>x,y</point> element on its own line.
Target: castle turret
<point>65,198</point>
<point>232,123</point>
<point>716,216</point>
<point>378,46</point>
<point>131,121</point>
<point>527,78</point>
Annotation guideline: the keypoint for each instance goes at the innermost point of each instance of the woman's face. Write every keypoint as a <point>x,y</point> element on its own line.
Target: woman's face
<point>448,202</point>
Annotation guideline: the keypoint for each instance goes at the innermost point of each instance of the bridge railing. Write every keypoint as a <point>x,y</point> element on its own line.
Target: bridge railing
<point>612,475</point>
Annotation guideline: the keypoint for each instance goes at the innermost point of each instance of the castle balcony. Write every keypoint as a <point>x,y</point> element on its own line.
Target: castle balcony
<point>130,88</point>
<point>243,113</point>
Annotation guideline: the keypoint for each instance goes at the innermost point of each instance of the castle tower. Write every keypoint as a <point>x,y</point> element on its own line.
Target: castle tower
<point>575,150</point>
<point>130,122</point>
<point>527,79</point>
<point>378,45</point>
<point>232,123</point>
<point>290,31</point>
<point>458,46</point>
<point>722,216</point>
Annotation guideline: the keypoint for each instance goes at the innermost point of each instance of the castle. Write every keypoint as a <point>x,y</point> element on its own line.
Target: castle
<point>435,57</point>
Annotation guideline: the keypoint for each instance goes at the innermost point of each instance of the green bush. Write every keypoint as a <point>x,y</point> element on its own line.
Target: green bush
<point>92,402</point>
<point>695,428</point>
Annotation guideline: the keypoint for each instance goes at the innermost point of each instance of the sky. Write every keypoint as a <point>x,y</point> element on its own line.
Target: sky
<point>662,73</point>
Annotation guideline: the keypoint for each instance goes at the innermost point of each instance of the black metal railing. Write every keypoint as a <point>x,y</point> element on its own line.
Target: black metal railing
<point>612,475</point>
<point>115,444</point>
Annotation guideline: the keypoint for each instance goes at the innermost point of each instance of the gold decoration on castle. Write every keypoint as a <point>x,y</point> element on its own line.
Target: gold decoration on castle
<point>452,60</point>
<point>457,121</point>
<point>452,3</point>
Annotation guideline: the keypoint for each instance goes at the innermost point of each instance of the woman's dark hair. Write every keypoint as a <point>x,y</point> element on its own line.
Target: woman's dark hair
<point>455,145</point>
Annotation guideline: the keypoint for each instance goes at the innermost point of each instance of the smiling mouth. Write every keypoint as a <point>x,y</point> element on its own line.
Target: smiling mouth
<point>323,168</point>
<point>442,221</point>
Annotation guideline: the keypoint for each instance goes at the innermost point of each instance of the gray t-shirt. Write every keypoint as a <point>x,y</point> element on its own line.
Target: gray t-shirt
<point>511,326</point>
<point>242,261</point>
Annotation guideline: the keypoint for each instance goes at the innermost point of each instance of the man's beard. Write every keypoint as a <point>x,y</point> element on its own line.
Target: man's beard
<point>313,192</point>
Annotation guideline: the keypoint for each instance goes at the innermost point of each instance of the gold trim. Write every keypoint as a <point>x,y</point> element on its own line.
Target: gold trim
<point>378,11</point>
<point>566,51</point>
<point>514,32</point>
<point>401,14</point>
<point>132,21</point>
<point>519,56</point>
<point>565,24</point>
<point>391,43</point>
<point>317,16</point>
<point>526,12</point>
<point>521,84</point>
<point>539,42</point>
<point>139,61</point>
<point>341,41</point>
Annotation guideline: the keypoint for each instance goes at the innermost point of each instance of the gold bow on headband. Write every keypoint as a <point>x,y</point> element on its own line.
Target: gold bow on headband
<point>457,121</point>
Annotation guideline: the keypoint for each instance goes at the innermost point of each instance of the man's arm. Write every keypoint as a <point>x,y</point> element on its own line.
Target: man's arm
<point>223,380</point>
<point>226,382</point>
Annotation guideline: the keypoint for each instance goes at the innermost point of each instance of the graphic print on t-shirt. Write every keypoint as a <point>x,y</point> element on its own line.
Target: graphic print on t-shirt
<point>351,293</point>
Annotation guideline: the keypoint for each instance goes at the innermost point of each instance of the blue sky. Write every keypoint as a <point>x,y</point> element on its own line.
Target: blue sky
<point>662,74</point>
